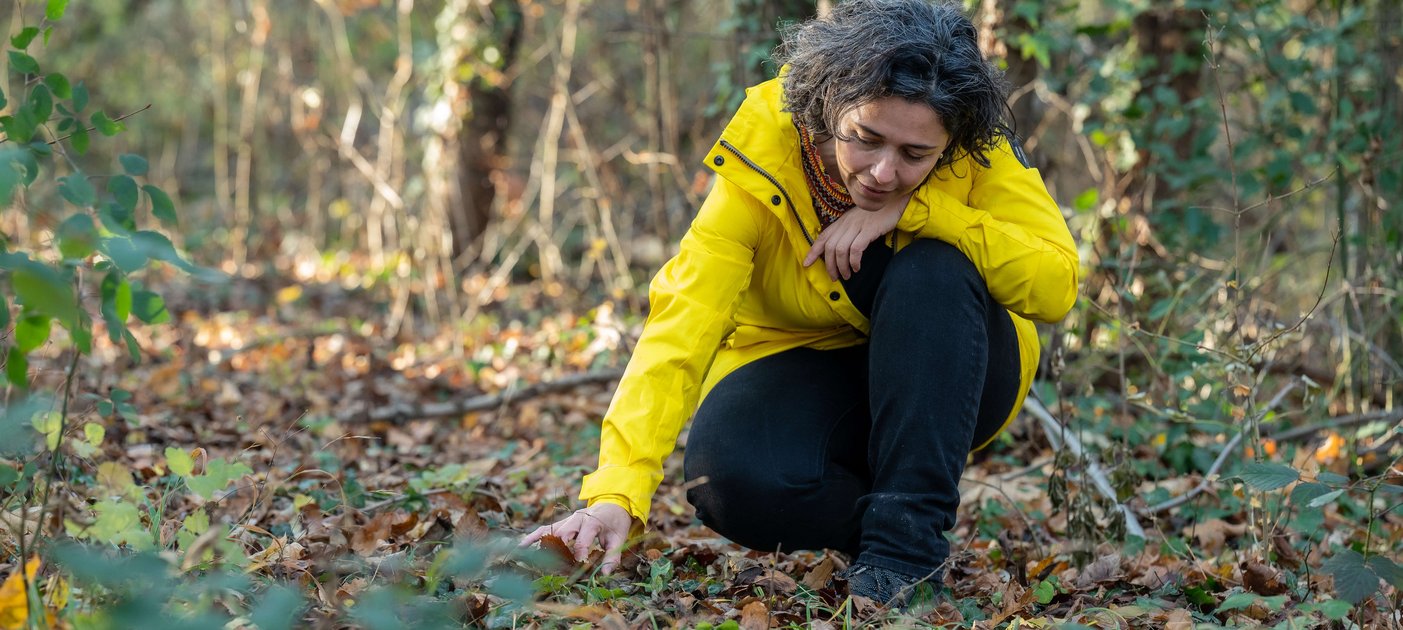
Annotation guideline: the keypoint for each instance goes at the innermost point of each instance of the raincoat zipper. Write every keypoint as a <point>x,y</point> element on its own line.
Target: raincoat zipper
<point>756,167</point>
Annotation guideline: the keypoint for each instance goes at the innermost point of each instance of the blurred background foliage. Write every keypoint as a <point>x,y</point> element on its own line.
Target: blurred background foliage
<point>1232,170</point>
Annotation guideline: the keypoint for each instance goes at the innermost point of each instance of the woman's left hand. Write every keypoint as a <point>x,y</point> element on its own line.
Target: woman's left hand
<point>841,243</point>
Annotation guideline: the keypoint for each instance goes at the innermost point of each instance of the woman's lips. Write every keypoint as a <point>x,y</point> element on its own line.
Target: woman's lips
<point>872,191</point>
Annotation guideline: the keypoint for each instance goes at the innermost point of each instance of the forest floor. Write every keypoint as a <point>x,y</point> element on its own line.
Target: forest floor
<point>359,507</point>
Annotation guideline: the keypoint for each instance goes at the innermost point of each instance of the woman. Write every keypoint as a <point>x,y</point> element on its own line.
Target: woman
<point>839,401</point>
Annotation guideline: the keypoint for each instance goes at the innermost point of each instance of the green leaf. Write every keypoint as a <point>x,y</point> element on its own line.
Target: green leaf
<point>149,307</point>
<point>118,522</point>
<point>94,433</point>
<point>3,101</point>
<point>1334,609</point>
<point>1086,200</point>
<point>22,63</point>
<point>179,461</point>
<point>1268,476</point>
<point>44,290</point>
<point>1237,601</point>
<point>54,11</point>
<point>1325,499</point>
<point>59,84</point>
<point>161,206</point>
<point>123,252</point>
<point>11,172</point>
<point>279,608</point>
<point>80,97</point>
<point>25,36</point>
<point>218,475</point>
<point>116,304</point>
<point>78,190</point>
<point>41,103</point>
<point>4,311</point>
<point>106,126</point>
<point>1354,580</point>
<point>1387,570</point>
<point>32,331</point>
<point>1331,478</point>
<point>1044,592</point>
<point>77,237</point>
<point>80,140</point>
<point>125,191</point>
<point>17,369</point>
<point>133,164</point>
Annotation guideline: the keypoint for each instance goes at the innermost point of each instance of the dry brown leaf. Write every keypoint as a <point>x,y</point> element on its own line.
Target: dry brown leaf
<point>1212,534</point>
<point>1262,579</point>
<point>818,576</point>
<point>755,616</point>
<point>1104,569</point>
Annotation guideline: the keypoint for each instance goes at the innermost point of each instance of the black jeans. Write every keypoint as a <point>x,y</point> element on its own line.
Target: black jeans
<point>861,449</point>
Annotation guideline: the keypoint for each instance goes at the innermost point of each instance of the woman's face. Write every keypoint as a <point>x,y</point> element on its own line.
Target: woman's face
<point>892,146</point>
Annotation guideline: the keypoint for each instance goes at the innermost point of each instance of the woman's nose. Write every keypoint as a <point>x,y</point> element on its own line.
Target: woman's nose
<point>884,171</point>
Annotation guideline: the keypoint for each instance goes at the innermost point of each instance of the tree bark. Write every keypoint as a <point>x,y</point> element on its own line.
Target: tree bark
<point>485,121</point>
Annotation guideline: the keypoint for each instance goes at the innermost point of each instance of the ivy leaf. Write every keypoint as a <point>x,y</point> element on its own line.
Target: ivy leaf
<point>22,63</point>
<point>124,190</point>
<point>161,206</point>
<point>1269,476</point>
<point>218,475</point>
<point>179,461</point>
<point>133,164</point>
<point>106,126</point>
<point>55,9</point>
<point>1354,580</point>
<point>77,190</point>
<point>25,36</point>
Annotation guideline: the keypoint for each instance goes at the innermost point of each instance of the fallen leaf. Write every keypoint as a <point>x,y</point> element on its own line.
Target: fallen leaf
<point>1262,579</point>
<point>818,576</point>
<point>1212,534</point>
<point>14,598</point>
<point>755,616</point>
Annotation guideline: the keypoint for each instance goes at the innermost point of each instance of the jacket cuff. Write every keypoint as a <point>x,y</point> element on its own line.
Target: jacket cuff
<point>629,488</point>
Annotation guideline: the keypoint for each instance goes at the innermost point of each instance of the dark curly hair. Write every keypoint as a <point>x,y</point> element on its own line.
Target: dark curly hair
<point>922,51</point>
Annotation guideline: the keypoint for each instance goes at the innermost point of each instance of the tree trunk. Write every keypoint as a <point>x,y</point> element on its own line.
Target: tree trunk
<point>485,121</point>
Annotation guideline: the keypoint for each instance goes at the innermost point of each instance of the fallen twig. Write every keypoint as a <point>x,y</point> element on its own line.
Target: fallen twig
<point>425,411</point>
<point>1058,434</point>
<point>1395,415</point>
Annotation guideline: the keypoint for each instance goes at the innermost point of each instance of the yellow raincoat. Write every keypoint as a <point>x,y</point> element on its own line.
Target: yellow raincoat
<point>737,290</point>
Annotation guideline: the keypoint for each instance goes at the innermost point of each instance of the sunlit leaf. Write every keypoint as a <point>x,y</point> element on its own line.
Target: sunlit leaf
<point>55,9</point>
<point>31,332</point>
<point>218,475</point>
<point>179,462</point>
<point>26,35</point>
<point>106,126</point>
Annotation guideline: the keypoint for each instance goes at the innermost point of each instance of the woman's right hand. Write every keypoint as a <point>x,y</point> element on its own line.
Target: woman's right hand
<point>608,523</point>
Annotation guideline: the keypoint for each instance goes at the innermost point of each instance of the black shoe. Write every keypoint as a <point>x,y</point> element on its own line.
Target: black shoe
<point>882,586</point>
